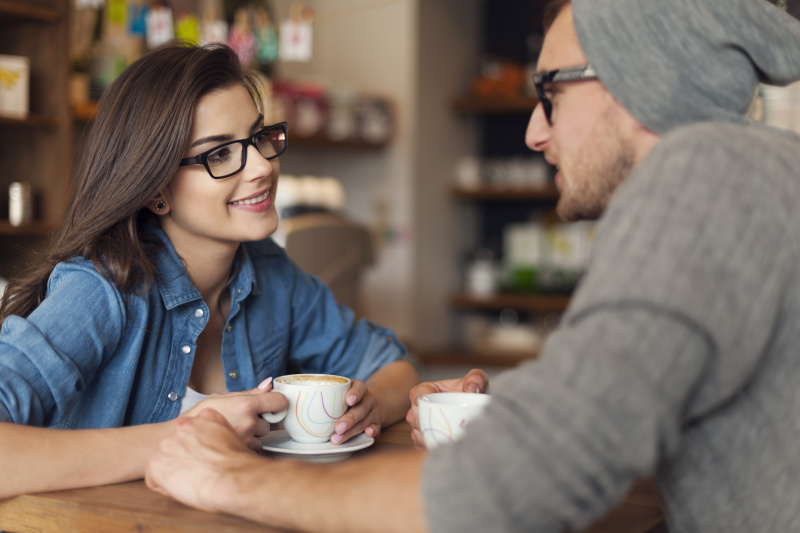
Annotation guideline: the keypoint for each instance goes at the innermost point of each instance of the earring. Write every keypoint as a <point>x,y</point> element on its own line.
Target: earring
<point>160,205</point>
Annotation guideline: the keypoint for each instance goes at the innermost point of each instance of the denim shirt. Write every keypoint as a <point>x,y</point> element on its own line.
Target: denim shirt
<point>90,356</point>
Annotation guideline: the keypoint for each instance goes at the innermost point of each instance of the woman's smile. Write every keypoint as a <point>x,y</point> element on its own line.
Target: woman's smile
<point>257,203</point>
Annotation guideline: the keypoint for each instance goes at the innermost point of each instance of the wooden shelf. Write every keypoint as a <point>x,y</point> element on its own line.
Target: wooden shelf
<point>32,120</point>
<point>85,113</point>
<point>460,356</point>
<point>494,193</point>
<point>319,141</point>
<point>36,228</point>
<point>511,104</point>
<point>37,147</point>
<point>12,11</point>
<point>535,303</point>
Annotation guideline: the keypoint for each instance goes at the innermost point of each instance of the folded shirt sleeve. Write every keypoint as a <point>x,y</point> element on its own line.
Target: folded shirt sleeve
<point>47,359</point>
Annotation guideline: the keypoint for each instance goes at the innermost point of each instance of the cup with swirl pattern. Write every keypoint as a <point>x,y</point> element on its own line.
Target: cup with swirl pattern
<point>443,416</point>
<point>315,404</point>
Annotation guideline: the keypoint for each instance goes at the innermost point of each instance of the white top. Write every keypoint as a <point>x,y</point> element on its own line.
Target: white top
<point>191,398</point>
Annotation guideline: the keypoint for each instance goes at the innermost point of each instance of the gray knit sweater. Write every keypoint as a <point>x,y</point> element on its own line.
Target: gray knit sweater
<point>678,358</point>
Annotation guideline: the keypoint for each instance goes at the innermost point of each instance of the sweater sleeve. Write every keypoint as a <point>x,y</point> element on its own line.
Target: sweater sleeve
<point>684,285</point>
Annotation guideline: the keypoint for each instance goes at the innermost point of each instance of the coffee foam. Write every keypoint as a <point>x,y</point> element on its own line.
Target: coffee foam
<point>311,379</point>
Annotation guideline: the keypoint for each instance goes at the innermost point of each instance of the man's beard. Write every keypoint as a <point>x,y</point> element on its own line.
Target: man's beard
<point>600,166</point>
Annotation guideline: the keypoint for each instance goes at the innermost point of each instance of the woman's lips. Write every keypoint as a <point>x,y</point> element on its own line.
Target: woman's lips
<point>256,204</point>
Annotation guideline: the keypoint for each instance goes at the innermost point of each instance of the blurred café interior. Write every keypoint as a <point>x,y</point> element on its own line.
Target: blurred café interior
<point>407,186</point>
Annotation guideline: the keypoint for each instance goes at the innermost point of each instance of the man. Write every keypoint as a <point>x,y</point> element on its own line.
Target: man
<point>678,357</point>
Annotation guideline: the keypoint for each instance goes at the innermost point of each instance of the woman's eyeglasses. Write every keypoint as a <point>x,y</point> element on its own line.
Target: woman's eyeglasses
<point>229,158</point>
<point>586,72</point>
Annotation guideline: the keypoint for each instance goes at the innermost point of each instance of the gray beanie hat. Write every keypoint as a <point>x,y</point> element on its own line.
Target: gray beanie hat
<point>674,62</point>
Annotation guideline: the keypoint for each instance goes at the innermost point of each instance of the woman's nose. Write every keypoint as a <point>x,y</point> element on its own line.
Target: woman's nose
<point>538,132</point>
<point>257,165</point>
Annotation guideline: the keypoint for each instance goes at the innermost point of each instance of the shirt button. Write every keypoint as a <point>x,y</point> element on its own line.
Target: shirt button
<point>172,396</point>
<point>186,349</point>
<point>238,291</point>
<point>198,313</point>
<point>228,327</point>
<point>233,374</point>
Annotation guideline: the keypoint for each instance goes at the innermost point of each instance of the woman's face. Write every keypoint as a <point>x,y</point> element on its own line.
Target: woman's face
<point>203,211</point>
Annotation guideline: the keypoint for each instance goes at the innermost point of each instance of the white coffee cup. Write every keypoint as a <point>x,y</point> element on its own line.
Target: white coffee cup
<point>315,402</point>
<point>443,416</point>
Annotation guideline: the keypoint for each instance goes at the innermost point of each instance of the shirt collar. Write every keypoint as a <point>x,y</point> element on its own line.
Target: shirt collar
<point>176,287</point>
<point>245,280</point>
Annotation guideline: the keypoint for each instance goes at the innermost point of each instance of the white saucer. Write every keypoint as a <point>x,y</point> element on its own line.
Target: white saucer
<point>280,442</point>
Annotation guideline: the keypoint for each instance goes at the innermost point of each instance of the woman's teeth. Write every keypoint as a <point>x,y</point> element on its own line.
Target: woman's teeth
<point>255,200</point>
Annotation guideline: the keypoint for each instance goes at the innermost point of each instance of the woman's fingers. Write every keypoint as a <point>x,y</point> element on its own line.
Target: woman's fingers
<point>358,389</point>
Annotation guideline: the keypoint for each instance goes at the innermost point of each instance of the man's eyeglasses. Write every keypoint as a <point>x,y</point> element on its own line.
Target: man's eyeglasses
<point>586,72</point>
<point>229,158</point>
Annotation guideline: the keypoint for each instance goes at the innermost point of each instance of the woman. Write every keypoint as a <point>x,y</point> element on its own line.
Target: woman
<point>161,287</point>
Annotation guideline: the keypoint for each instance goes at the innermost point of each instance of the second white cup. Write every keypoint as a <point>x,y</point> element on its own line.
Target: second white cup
<point>443,416</point>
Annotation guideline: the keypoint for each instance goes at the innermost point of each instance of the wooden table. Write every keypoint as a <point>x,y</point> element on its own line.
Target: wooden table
<point>133,507</point>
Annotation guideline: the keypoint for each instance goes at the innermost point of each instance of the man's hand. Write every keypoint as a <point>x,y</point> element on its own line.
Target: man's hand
<point>363,414</point>
<point>199,463</point>
<point>243,409</point>
<point>476,381</point>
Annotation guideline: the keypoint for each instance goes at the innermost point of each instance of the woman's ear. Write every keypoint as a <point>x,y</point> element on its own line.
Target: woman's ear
<point>158,205</point>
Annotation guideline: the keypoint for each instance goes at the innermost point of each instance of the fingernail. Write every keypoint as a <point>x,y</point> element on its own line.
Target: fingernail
<point>336,438</point>
<point>351,401</point>
<point>473,388</point>
<point>341,428</point>
<point>370,431</point>
<point>264,384</point>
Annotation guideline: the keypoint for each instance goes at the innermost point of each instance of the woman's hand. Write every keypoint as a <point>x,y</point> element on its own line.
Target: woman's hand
<point>242,410</point>
<point>476,381</point>
<point>363,414</point>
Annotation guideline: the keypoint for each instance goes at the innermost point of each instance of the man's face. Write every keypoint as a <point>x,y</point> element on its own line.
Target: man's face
<point>589,139</point>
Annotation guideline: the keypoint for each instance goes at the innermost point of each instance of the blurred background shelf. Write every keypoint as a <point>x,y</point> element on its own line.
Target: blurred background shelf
<point>320,141</point>
<point>85,114</point>
<point>534,303</point>
<point>457,356</point>
<point>14,11</point>
<point>33,120</point>
<point>505,104</point>
<point>36,148</point>
<point>33,229</point>
<point>489,193</point>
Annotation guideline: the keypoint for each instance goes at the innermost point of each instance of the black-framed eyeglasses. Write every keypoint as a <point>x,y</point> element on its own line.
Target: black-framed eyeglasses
<point>585,72</point>
<point>229,158</point>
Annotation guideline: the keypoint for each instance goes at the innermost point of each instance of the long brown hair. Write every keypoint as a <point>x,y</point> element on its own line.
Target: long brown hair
<point>133,149</point>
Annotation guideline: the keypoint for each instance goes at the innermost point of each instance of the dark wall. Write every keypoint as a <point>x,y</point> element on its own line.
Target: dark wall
<point>509,26</point>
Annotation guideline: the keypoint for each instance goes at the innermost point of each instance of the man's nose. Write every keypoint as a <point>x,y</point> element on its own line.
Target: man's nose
<point>538,132</point>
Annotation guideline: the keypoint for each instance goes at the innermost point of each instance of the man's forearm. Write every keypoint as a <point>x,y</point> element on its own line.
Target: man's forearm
<point>381,493</point>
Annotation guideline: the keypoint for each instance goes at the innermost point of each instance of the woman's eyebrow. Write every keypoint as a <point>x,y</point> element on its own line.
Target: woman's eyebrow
<point>257,123</point>
<point>225,137</point>
<point>212,138</point>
